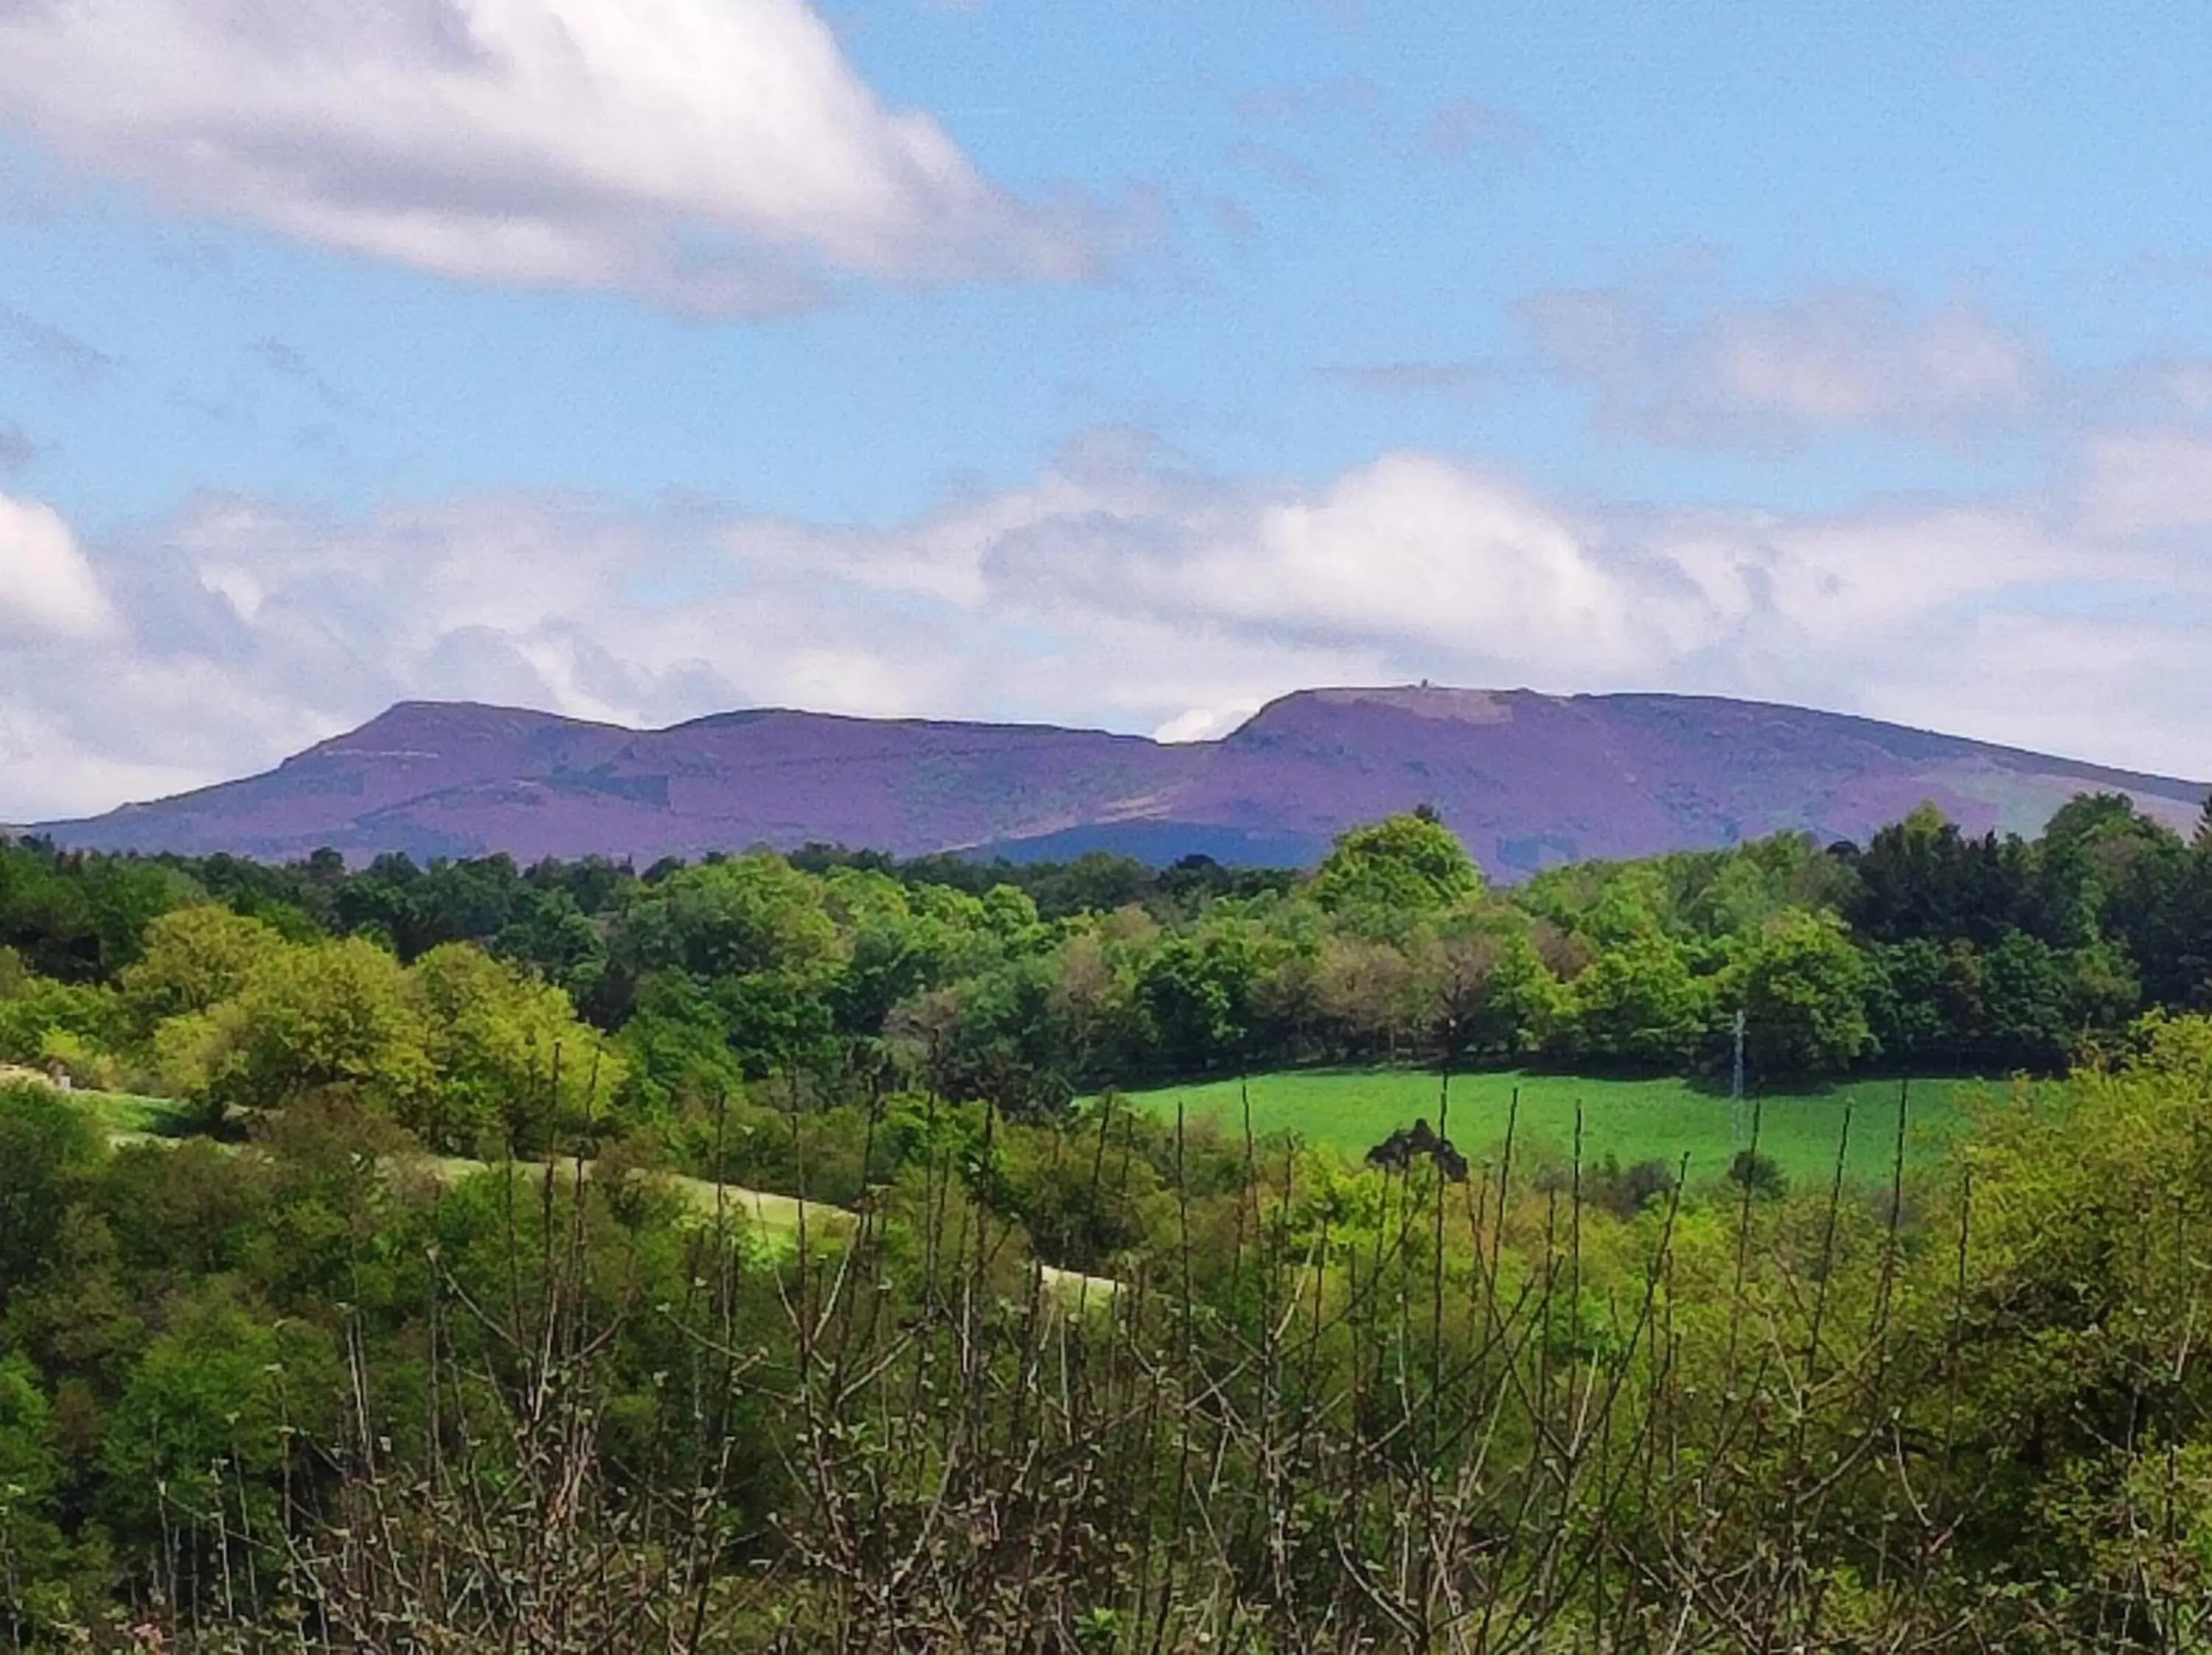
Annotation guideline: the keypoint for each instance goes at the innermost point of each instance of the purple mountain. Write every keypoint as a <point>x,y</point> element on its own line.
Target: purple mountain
<point>1526,780</point>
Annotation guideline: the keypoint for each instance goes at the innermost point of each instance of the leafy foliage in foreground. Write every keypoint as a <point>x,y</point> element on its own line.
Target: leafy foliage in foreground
<point>299,1389</point>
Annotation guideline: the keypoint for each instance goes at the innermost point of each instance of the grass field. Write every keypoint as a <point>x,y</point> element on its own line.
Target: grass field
<point>1352,1109</point>
<point>125,1116</point>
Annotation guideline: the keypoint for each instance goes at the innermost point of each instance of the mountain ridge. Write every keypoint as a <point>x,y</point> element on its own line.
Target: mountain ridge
<point>1526,779</point>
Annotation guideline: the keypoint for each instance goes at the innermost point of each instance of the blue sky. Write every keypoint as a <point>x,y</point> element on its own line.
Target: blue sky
<point>1115,363</point>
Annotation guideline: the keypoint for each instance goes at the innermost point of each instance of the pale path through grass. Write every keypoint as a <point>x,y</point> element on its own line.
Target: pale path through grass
<point>127,1118</point>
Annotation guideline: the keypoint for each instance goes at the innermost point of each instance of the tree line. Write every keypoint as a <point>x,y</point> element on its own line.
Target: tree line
<point>818,976</point>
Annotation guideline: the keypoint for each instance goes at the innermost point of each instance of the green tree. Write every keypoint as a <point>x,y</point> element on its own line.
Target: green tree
<point>1923,877</point>
<point>79,917</point>
<point>203,1423</point>
<point>1409,864</point>
<point>194,959</point>
<point>32,1548</point>
<point>676,1050</point>
<point>47,1148</point>
<point>2088,850</point>
<point>1196,989</point>
<point>511,1062</point>
<point>554,937</point>
<point>1638,1004</point>
<point>1802,988</point>
<point>334,1014</point>
<point>88,1014</point>
<point>1516,1006</point>
<point>2027,996</point>
<point>777,1022</point>
<point>752,913</point>
<point>1911,997</point>
<point>2104,990</point>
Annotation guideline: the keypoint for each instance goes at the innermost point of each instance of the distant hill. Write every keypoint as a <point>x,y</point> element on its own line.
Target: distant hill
<point>1526,780</point>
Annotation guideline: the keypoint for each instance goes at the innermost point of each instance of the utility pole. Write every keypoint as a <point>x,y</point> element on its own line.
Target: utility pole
<point>1736,1092</point>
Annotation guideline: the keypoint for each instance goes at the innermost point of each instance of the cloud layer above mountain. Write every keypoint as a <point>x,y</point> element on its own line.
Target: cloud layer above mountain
<point>1671,370</point>
<point>713,159</point>
<point>1120,586</point>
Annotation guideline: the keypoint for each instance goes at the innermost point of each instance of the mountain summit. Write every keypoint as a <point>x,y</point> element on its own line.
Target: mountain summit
<point>1526,780</point>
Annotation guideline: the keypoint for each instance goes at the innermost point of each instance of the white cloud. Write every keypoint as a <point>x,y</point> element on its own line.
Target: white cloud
<point>715,157</point>
<point>1412,547</point>
<point>47,586</point>
<point>1119,587</point>
<point>1686,370</point>
<point>1205,723</point>
<point>2145,483</point>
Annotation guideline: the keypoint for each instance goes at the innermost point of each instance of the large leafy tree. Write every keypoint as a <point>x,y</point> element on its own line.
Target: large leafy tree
<point>1802,988</point>
<point>1197,992</point>
<point>46,1148</point>
<point>676,1050</point>
<point>1512,1006</point>
<point>79,917</point>
<point>334,1014</point>
<point>1638,1004</point>
<point>1920,994</point>
<point>195,957</point>
<point>2027,1000</point>
<point>1923,877</point>
<point>511,1062</point>
<point>2161,910</point>
<point>753,913</point>
<point>1409,863</point>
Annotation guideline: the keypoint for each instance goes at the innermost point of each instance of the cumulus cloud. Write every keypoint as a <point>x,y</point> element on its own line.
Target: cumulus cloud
<point>2148,483</point>
<point>47,589</point>
<point>1120,586</point>
<point>1689,372</point>
<point>719,159</point>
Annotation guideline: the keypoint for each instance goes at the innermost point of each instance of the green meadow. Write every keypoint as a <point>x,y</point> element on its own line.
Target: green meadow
<point>125,1116</point>
<point>1350,1109</point>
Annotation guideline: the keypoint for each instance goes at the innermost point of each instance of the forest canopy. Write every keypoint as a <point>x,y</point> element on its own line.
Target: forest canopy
<point>444,993</point>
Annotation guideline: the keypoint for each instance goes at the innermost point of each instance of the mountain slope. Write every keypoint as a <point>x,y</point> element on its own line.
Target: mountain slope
<point>1527,780</point>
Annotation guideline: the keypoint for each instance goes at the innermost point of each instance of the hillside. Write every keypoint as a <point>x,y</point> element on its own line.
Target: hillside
<point>1527,780</point>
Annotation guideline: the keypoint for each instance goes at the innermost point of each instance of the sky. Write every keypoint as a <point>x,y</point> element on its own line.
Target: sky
<point>1114,363</point>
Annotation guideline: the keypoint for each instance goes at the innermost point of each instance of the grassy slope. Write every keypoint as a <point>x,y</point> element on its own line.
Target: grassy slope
<point>776,1215</point>
<point>130,1119</point>
<point>126,1117</point>
<point>1350,1110</point>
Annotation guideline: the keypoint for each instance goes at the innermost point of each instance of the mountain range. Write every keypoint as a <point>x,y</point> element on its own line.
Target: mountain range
<point>1526,780</point>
